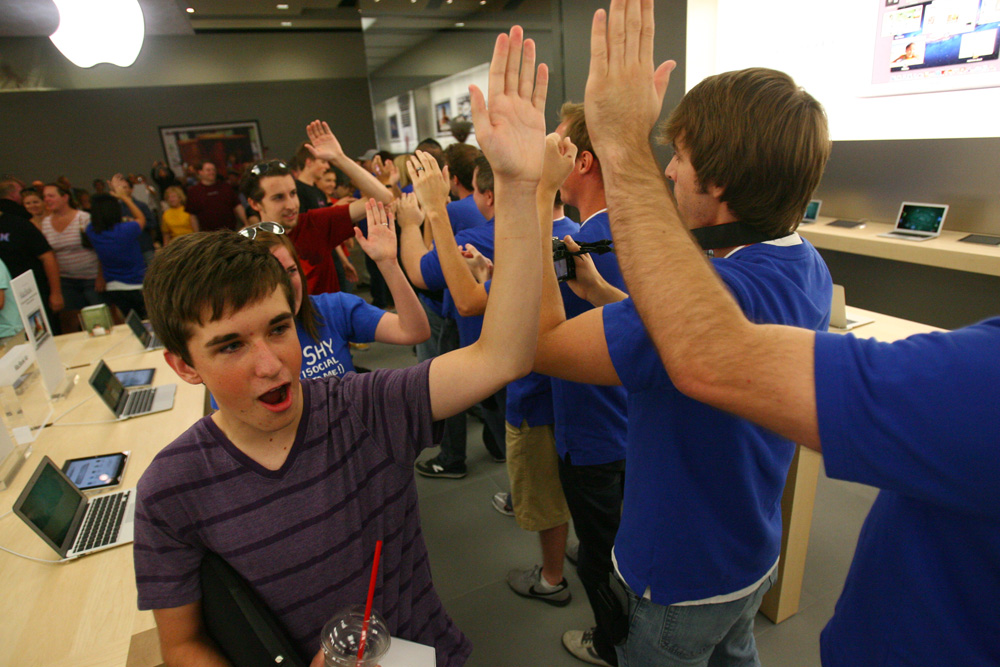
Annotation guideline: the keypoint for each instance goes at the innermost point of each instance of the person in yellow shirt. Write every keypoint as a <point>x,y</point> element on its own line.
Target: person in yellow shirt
<point>177,221</point>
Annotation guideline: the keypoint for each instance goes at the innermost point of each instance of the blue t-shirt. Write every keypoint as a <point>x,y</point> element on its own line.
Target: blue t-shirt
<point>464,214</point>
<point>343,318</point>
<point>918,419</point>
<point>591,421</point>
<point>530,398</point>
<point>119,251</point>
<point>702,508</point>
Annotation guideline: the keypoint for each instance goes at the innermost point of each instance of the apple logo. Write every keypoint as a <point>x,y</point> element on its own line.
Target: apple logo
<point>99,31</point>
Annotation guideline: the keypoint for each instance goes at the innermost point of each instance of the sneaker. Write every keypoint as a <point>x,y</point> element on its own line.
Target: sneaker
<point>573,552</point>
<point>502,503</point>
<point>434,468</point>
<point>580,643</point>
<point>527,583</point>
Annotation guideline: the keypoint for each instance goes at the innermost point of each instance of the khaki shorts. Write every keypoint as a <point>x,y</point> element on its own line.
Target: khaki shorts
<point>535,489</point>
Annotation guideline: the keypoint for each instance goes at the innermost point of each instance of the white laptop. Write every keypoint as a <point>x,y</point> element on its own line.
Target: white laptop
<point>67,520</point>
<point>148,338</point>
<point>133,401</point>
<point>918,222</point>
<point>812,211</point>
<point>838,312</point>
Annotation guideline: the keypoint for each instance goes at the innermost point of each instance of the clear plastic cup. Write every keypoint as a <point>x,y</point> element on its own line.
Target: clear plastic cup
<point>341,638</point>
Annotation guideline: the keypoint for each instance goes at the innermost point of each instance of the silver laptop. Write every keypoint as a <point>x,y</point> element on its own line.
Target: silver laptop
<point>148,338</point>
<point>812,211</point>
<point>132,401</point>
<point>67,520</point>
<point>918,222</point>
<point>838,312</point>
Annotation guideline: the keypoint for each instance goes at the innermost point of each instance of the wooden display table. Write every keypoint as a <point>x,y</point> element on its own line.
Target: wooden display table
<point>782,601</point>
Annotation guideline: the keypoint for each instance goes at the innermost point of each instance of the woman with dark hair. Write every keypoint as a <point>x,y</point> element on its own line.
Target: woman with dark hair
<point>79,270</point>
<point>327,322</point>
<point>116,241</point>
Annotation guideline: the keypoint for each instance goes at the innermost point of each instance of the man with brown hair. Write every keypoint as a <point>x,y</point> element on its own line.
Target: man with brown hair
<point>307,170</point>
<point>700,530</point>
<point>214,202</point>
<point>463,212</point>
<point>923,585</point>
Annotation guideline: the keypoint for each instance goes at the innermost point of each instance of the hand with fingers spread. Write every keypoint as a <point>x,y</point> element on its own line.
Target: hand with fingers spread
<point>322,143</point>
<point>625,89</point>
<point>560,156</point>
<point>408,211</point>
<point>380,244</point>
<point>118,187</point>
<point>511,131</point>
<point>430,184</point>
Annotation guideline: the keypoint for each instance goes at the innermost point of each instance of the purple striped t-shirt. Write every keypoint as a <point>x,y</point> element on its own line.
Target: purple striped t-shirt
<point>304,536</point>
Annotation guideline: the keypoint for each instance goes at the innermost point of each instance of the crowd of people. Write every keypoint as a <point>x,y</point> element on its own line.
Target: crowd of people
<point>655,399</point>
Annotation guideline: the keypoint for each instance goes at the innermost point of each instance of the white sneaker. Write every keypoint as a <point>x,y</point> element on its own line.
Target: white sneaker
<point>580,643</point>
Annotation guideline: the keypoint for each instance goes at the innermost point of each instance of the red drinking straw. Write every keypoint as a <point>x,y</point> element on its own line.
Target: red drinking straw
<point>368,605</point>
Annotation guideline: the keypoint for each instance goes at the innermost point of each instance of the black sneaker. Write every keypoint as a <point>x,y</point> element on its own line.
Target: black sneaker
<point>434,468</point>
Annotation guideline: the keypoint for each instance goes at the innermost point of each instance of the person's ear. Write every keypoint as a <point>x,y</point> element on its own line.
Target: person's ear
<point>255,205</point>
<point>489,198</point>
<point>183,369</point>
<point>585,162</point>
<point>715,190</point>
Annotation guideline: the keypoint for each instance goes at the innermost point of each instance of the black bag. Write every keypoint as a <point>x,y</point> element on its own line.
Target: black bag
<point>239,622</point>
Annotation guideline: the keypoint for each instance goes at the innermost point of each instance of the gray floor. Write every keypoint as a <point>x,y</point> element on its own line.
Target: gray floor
<point>472,547</point>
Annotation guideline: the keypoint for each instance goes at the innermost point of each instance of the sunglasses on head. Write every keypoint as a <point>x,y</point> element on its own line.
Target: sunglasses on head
<point>262,168</point>
<point>271,227</point>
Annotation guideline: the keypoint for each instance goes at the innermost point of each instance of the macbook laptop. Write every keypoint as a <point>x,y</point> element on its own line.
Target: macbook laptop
<point>67,520</point>
<point>133,401</point>
<point>838,312</point>
<point>148,338</point>
<point>812,211</point>
<point>918,222</point>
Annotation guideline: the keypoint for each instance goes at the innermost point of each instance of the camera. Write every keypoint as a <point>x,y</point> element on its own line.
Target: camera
<point>562,257</point>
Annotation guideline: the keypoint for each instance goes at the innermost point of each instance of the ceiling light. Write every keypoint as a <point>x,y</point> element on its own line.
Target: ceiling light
<point>190,10</point>
<point>459,25</point>
<point>482,2</point>
<point>286,24</point>
<point>87,37</point>
<point>282,6</point>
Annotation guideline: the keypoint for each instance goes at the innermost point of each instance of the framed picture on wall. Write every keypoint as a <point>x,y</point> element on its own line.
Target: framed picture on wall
<point>229,146</point>
<point>463,107</point>
<point>394,127</point>
<point>442,117</point>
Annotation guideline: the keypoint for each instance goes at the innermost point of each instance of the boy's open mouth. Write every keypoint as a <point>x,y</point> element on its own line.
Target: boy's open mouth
<point>276,397</point>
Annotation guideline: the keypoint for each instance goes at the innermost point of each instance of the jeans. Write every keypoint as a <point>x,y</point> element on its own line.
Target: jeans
<point>706,635</point>
<point>454,438</point>
<point>78,293</point>
<point>594,495</point>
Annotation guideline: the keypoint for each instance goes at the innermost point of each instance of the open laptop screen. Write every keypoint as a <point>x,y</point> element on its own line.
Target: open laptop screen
<point>926,218</point>
<point>812,211</point>
<point>107,385</point>
<point>135,323</point>
<point>50,504</point>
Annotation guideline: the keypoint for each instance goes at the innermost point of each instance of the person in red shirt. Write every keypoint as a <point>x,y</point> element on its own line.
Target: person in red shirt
<point>214,202</point>
<point>270,188</point>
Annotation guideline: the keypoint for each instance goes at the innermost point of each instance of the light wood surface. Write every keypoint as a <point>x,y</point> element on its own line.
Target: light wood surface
<point>83,612</point>
<point>945,251</point>
<point>782,601</point>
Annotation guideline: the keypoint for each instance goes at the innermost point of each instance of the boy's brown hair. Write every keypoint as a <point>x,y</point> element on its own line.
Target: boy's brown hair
<point>461,159</point>
<point>758,136</point>
<point>572,115</point>
<point>207,275</point>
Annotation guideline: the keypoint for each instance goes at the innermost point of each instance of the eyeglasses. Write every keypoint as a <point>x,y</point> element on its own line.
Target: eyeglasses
<point>262,168</point>
<point>270,227</point>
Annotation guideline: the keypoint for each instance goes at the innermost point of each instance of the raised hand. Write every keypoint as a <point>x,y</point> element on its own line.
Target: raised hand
<point>560,156</point>
<point>624,90</point>
<point>322,142</point>
<point>511,131</point>
<point>381,242</point>
<point>118,186</point>
<point>408,211</point>
<point>430,184</point>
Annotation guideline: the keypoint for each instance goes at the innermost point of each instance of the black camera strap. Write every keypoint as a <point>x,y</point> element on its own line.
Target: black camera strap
<point>730,235</point>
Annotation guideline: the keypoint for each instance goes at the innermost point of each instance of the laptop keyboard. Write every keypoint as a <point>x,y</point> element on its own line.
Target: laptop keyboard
<point>140,401</point>
<point>104,519</point>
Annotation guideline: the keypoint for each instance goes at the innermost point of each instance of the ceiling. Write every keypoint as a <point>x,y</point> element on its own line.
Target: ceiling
<point>392,27</point>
